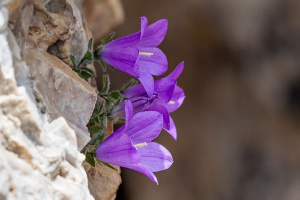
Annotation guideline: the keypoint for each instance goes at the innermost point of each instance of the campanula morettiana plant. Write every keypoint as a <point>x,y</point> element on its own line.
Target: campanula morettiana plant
<point>130,146</point>
<point>144,109</point>
<point>137,54</point>
<point>167,97</point>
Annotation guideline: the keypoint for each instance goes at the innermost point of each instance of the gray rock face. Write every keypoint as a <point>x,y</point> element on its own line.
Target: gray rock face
<point>62,92</point>
<point>48,34</point>
<point>38,159</point>
<point>45,105</point>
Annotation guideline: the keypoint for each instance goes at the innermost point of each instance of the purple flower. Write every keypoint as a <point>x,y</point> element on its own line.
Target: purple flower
<point>167,97</point>
<point>137,54</point>
<point>130,146</point>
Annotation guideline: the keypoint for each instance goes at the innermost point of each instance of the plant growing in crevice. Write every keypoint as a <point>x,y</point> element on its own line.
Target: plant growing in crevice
<point>143,109</point>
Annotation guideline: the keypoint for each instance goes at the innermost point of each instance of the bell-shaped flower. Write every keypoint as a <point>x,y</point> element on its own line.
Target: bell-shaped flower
<point>130,146</point>
<point>167,97</point>
<point>137,54</point>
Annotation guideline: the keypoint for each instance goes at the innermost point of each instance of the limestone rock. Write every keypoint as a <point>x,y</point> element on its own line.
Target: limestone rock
<point>62,91</point>
<point>56,27</point>
<point>103,181</point>
<point>49,33</point>
<point>3,19</point>
<point>12,5</point>
<point>38,159</point>
<point>54,102</point>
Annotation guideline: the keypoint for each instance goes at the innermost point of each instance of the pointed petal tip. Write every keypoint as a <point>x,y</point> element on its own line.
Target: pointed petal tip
<point>162,23</point>
<point>144,24</point>
<point>172,130</point>
<point>165,21</point>
<point>144,18</point>
<point>148,83</point>
<point>172,133</point>
<point>180,66</point>
<point>154,180</point>
<point>177,71</point>
<point>142,169</point>
<point>174,137</point>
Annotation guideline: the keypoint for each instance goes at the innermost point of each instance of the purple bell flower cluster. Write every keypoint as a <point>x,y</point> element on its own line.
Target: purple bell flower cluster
<point>148,105</point>
<point>131,145</point>
<point>166,98</point>
<point>137,54</point>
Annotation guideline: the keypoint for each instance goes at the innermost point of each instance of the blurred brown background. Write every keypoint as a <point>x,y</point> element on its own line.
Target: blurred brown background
<point>238,129</point>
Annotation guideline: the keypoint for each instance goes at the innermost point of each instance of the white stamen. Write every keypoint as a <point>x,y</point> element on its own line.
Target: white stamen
<point>145,54</point>
<point>140,145</point>
<point>171,102</point>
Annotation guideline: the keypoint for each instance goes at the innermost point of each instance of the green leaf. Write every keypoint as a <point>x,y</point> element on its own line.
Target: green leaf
<point>73,61</point>
<point>84,72</point>
<point>76,70</point>
<point>98,108</point>
<point>90,43</point>
<point>105,164</point>
<point>131,83</point>
<point>86,62</point>
<point>87,70</point>
<point>106,85</point>
<point>85,75</point>
<point>94,129</point>
<point>109,107</point>
<point>97,120</point>
<point>115,94</point>
<point>88,57</point>
<point>81,74</point>
<point>101,138</point>
<point>102,64</point>
<point>90,159</point>
<point>121,120</point>
<point>108,38</point>
<point>121,99</point>
<point>97,52</point>
<point>96,138</point>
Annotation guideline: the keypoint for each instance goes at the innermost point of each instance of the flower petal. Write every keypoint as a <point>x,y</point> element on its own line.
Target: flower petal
<point>144,24</point>
<point>172,130</point>
<point>123,59</point>
<point>144,126</point>
<point>139,104</point>
<point>154,34</point>
<point>176,100</point>
<point>118,149</point>
<point>128,110</point>
<point>119,111</point>
<point>128,113</point>
<point>142,169</point>
<point>177,71</point>
<point>155,157</point>
<point>148,83</point>
<point>124,41</point>
<point>161,109</point>
<point>165,89</point>
<point>135,91</point>
<point>156,64</point>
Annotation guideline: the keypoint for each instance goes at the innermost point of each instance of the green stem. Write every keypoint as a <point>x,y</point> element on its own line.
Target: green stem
<point>91,142</point>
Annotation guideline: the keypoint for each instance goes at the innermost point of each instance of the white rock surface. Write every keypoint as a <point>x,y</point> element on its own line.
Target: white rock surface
<point>62,92</point>
<point>38,160</point>
<point>47,34</point>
